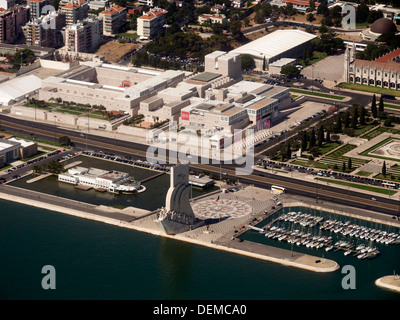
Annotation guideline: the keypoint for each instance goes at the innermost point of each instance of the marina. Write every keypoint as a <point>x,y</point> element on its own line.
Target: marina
<point>312,231</point>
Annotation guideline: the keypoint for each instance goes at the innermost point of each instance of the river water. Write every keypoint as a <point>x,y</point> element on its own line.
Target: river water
<point>99,261</point>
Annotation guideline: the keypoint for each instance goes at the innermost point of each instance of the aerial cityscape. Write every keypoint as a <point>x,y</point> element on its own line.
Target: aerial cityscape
<point>200,150</point>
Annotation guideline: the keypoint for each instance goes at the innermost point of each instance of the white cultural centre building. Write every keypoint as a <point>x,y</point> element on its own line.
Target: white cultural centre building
<point>112,181</point>
<point>276,45</point>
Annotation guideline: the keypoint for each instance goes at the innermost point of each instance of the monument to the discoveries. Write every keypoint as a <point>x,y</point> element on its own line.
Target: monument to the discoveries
<point>177,216</point>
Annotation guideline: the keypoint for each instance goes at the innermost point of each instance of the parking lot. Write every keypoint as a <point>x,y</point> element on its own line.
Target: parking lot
<point>22,168</point>
<point>328,173</point>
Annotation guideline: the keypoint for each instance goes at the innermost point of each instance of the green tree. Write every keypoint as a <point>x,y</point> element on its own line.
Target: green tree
<point>323,8</point>
<point>343,166</point>
<point>362,12</point>
<point>320,136</point>
<point>323,29</point>
<point>235,27</point>
<point>304,141</point>
<point>362,115</point>
<point>346,119</point>
<point>312,5</point>
<point>24,56</point>
<point>248,62</point>
<point>328,136</point>
<point>381,106</point>
<point>354,119</point>
<point>374,110</point>
<point>290,71</point>
<point>384,169</point>
<point>288,151</point>
<point>338,127</point>
<point>64,140</point>
<point>349,164</point>
<point>312,138</point>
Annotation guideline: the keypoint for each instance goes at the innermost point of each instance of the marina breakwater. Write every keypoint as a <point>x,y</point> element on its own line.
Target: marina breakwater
<point>391,282</point>
<point>199,237</point>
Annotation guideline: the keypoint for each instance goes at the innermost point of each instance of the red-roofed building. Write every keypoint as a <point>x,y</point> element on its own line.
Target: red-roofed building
<point>114,18</point>
<point>151,22</point>
<point>391,56</point>
<point>75,11</point>
<point>212,18</point>
<point>383,72</point>
<point>301,5</point>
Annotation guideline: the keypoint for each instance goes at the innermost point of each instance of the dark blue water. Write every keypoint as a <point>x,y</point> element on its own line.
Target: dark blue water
<point>99,261</point>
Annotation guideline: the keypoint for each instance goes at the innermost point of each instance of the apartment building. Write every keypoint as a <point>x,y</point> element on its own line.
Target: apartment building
<point>213,18</point>
<point>45,31</point>
<point>148,3</point>
<point>114,18</point>
<point>85,35</point>
<point>97,4</point>
<point>11,21</point>
<point>36,8</point>
<point>7,4</point>
<point>75,11</point>
<point>150,23</point>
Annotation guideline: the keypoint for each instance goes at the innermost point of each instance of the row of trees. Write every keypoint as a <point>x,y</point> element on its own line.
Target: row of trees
<point>52,166</point>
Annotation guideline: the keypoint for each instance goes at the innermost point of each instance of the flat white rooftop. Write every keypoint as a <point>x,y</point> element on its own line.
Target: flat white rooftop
<point>23,143</point>
<point>275,43</point>
<point>5,145</point>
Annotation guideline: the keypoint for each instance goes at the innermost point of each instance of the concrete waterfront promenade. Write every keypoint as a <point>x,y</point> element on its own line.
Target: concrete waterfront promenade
<point>217,236</point>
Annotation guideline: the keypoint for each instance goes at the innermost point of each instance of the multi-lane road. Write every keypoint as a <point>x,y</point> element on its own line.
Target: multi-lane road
<point>309,189</point>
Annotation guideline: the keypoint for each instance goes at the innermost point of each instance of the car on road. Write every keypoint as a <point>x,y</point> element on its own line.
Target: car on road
<point>373,199</point>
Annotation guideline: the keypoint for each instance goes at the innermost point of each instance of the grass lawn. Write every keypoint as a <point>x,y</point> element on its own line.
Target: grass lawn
<point>319,94</point>
<point>6,167</point>
<point>379,130</point>
<point>38,141</point>
<point>361,129</point>
<point>254,79</point>
<point>98,115</point>
<point>42,107</point>
<point>341,151</point>
<point>47,148</point>
<point>366,152</point>
<point>314,59</point>
<point>361,87</point>
<point>71,111</point>
<point>360,186</point>
<point>363,173</point>
<point>128,35</point>
<point>304,163</point>
<point>391,106</point>
<point>326,147</point>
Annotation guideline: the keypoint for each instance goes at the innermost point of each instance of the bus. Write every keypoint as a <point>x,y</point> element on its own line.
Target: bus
<point>278,190</point>
<point>388,96</point>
